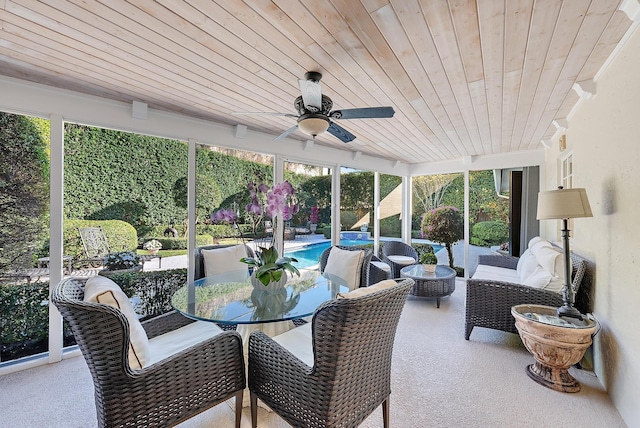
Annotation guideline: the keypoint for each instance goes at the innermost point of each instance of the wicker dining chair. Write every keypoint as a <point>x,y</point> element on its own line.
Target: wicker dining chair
<point>350,376</point>
<point>397,248</point>
<point>364,268</point>
<point>197,253</point>
<point>166,392</point>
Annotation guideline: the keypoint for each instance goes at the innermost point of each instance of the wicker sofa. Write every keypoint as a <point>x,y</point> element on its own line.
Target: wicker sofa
<point>489,302</point>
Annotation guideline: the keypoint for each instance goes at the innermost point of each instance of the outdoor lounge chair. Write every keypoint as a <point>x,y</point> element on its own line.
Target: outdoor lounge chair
<point>96,248</point>
<point>398,255</point>
<point>193,368</point>
<point>335,371</point>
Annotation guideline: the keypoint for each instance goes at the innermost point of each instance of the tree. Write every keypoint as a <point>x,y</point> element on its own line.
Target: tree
<point>444,225</point>
<point>208,196</point>
<point>428,190</point>
<point>24,190</point>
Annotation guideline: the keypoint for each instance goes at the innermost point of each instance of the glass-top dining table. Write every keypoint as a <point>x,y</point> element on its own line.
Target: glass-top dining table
<point>230,298</point>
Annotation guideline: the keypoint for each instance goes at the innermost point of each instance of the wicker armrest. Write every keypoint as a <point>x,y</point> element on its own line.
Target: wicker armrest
<point>165,323</point>
<point>489,303</point>
<point>508,262</point>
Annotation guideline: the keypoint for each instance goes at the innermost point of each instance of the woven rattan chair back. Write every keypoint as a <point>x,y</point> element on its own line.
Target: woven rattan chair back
<point>364,269</point>
<point>351,376</point>
<point>163,394</point>
<point>197,253</point>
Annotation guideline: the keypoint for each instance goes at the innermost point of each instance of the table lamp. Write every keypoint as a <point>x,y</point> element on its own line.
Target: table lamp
<point>565,204</point>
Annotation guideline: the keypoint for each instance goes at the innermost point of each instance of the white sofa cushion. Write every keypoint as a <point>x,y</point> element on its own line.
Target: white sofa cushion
<point>299,342</point>
<point>170,343</point>
<point>494,273</point>
<point>345,264</point>
<point>222,260</point>
<point>100,289</point>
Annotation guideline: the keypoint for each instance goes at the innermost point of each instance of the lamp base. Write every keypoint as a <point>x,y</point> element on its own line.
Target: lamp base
<point>569,311</point>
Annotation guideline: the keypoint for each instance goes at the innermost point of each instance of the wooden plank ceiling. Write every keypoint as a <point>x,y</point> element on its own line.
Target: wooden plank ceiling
<point>464,77</point>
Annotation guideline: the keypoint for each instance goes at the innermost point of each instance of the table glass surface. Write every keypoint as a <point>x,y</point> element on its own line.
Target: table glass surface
<point>418,272</point>
<point>230,298</point>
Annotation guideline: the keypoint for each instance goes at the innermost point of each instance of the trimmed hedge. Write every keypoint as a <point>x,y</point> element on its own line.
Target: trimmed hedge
<point>24,310</point>
<point>181,243</point>
<point>488,233</point>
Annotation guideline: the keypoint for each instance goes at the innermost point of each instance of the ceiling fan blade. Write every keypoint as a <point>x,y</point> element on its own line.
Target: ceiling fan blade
<point>285,133</point>
<point>340,133</point>
<point>264,113</point>
<point>311,95</point>
<point>363,113</point>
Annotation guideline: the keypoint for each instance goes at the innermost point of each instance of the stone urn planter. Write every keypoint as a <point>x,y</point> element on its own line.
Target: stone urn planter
<point>556,344</point>
<point>429,267</point>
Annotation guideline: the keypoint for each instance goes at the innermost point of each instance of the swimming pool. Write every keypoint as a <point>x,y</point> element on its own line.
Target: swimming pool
<point>309,255</point>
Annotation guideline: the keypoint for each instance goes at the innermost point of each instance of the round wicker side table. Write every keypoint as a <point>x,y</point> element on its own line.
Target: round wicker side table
<point>436,284</point>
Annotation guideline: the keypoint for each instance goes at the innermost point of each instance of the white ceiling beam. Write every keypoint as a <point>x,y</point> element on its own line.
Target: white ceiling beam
<point>631,8</point>
<point>585,89</point>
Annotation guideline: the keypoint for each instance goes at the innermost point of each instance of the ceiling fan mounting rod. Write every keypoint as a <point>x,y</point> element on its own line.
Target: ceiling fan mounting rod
<point>314,76</point>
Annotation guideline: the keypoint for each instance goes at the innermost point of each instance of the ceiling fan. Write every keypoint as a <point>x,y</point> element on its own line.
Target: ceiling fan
<point>315,115</point>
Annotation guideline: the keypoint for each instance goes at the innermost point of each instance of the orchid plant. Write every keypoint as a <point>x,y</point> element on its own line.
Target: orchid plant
<point>272,203</point>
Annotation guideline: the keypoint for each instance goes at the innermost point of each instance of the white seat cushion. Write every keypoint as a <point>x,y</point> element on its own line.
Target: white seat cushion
<point>382,265</point>
<point>345,264</point>
<point>170,343</point>
<point>402,260</point>
<point>222,260</point>
<point>363,291</point>
<point>494,273</point>
<point>100,289</point>
<point>299,342</point>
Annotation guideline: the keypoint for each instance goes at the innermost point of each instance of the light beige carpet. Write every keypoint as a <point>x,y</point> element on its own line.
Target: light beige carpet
<point>438,380</point>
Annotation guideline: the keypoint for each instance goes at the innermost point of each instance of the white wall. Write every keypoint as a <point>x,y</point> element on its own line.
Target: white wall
<point>604,136</point>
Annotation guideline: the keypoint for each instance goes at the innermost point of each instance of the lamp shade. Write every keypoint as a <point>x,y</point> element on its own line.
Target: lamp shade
<point>313,125</point>
<point>563,203</point>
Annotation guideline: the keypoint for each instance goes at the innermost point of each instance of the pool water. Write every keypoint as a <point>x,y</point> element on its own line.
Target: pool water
<point>309,255</point>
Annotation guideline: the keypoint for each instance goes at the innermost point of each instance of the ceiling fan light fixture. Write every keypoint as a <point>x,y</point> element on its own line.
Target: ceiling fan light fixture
<point>313,125</point>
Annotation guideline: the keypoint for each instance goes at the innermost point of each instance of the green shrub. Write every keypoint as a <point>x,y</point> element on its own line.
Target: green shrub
<point>181,243</point>
<point>444,225</point>
<point>488,233</point>
<point>24,317</point>
<point>120,235</point>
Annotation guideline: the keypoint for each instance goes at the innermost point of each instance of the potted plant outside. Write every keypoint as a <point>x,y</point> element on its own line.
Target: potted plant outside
<point>121,262</point>
<point>429,262</point>
<point>313,219</point>
<point>152,246</point>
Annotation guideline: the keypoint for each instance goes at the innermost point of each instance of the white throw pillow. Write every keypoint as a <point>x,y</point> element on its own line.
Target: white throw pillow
<point>539,278</point>
<point>222,260</point>
<point>345,264</point>
<point>526,265</point>
<point>552,260</point>
<point>534,241</point>
<point>100,289</point>
<point>363,291</point>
